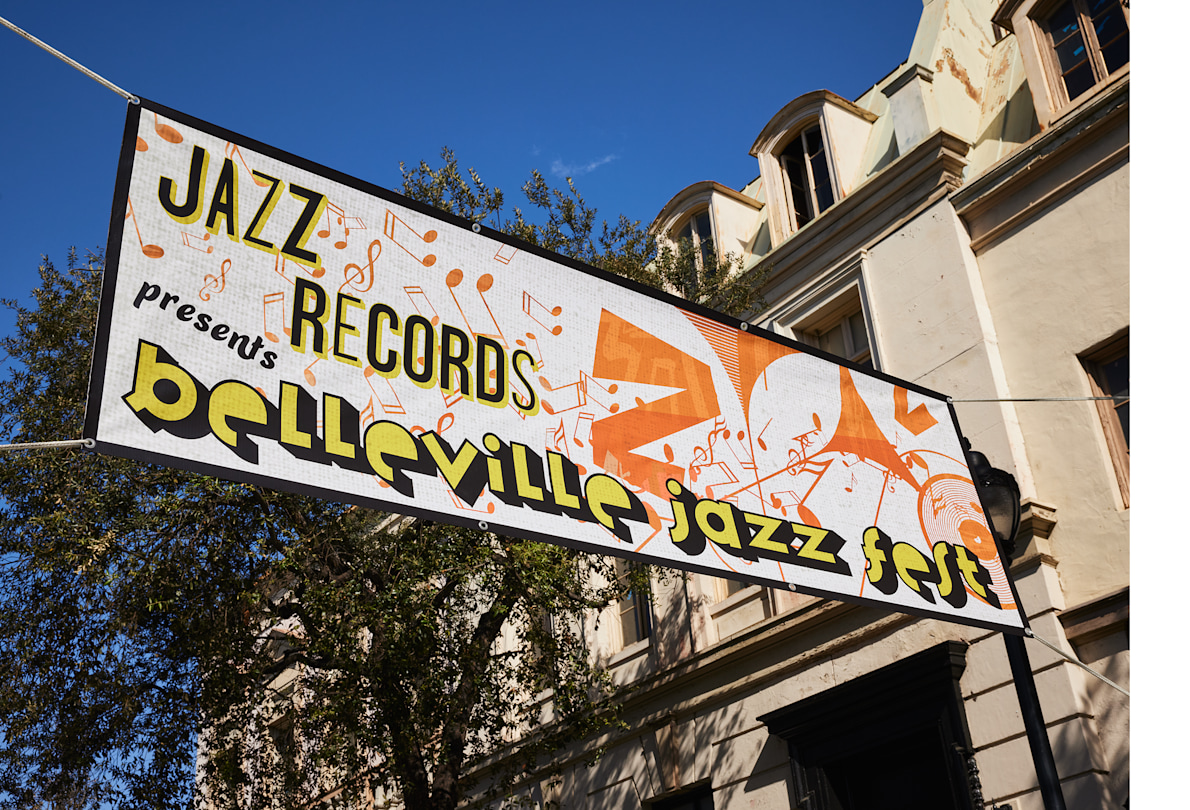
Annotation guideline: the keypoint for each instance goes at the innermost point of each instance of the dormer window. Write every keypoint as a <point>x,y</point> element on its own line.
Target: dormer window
<point>807,176</point>
<point>810,155</point>
<point>1089,42</point>
<point>697,231</point>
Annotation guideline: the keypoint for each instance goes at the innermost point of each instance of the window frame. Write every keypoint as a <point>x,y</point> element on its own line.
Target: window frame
<point>1118,447</point>
<point>1041,16</point>
<point>783,159</point>
<point>687,228</point>
<point>835,295</point>
<point>640,605</point>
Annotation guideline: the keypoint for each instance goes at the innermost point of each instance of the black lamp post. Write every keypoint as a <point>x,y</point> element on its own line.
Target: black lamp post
<point>1001,499</point>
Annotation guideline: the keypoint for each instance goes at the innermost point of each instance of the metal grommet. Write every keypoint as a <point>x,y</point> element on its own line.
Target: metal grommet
<point>743,327</point>
<point>134,100</point>
<point>88,443</point>
<point>483,524</point>
<point>475,226</point>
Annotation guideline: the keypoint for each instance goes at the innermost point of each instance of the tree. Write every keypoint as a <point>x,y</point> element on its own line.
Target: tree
<point>168,638</point>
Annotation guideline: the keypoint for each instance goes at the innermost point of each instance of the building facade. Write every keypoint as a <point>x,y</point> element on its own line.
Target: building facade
<point>964,225</point>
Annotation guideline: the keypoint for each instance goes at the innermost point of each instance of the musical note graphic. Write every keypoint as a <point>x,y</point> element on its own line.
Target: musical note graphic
<point>453,279</point>
<point>325,232</point>
<point>504,254</point>
<point>274,302</point>
<point>583,428</point>
<point>166,132</point>
<point>367,415</point>
<point>141,144</point>
<point>528,302</point>
<point>360,278</point>
<point>384,391</point>
<point>728,478</point>
<point>537,355</point>
<point>152,251</point>
<point>390,230</point>
<point>233,151</point>
<point>482,286</point>
<point>556,439</point>
<point>280,263</point>
<point>760,436</point>
<point>188,240</point>
<point>416,293</point>
<point>308,372</point>
<point>576,395</point>
<point>215,283</point>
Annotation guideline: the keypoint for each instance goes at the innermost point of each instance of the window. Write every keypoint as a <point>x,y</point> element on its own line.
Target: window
<point>728,587</point>
<point>832,313</point>
<point>1088,41</point>
<point>807,176</point>
<point>1107,370</point>
<point>846,338</point>
<point>697,231</point>
<point>633,610</point>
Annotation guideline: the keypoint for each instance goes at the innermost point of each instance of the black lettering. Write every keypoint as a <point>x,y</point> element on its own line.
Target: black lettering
<point>191,209</point>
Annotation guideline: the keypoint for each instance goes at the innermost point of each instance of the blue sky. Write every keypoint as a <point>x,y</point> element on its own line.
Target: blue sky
<point>635,100</point>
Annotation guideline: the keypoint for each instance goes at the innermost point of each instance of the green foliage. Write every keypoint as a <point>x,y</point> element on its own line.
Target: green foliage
<point>570,228</point>
<point>157,624</point>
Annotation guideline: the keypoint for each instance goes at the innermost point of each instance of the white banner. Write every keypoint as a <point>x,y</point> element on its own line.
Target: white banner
<point>269,320</point>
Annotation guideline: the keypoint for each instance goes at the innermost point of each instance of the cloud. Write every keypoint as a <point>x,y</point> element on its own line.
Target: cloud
<point>560,169</point>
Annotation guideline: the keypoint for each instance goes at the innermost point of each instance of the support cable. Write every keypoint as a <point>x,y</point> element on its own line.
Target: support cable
<point>88,443</point>
<point>86,71</point>
<point>1119,398</point>
<point>1077,663</point>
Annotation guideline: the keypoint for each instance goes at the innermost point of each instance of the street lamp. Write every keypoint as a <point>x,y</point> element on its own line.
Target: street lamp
<point>1001,497</point>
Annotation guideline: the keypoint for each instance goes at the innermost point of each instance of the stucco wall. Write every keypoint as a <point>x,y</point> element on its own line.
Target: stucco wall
<point>1057,286</point>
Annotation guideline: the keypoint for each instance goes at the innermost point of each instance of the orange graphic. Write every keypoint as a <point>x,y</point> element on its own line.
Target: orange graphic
<point>215,284</point>
<point>917,421</point>
<point>325,232</point>
<point>528,303</point>
<point>390,230</point>
<point>418,294</point>
<point>859,435</point>
<point>275,303</point>
<point>188,239</point>
<point>504,254</point>
<point>233,151</point>
<point>152,251</point>
<point>453,279</point>
<point>166,132</point>
<point>359,278</point>
<point>628,353</point>
<point>949,511</point>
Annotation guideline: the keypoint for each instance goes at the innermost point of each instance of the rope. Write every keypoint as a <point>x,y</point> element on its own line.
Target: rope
<point>1120,398</point>
<point>133,99</point>
<point>1077,663</point>
<point>88,443</point>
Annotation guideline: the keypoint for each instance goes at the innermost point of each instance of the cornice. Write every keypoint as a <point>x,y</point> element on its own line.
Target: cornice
<point>1066,135</point>
<point>1003,15</point>
<point>901,191</point>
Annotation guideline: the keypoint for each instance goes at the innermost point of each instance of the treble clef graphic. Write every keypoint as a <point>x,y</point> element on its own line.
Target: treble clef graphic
<point>215,283</point>
<point>360,278</point>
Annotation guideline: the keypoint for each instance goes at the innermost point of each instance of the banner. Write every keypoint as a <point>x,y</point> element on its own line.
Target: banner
<point>269,320</point>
